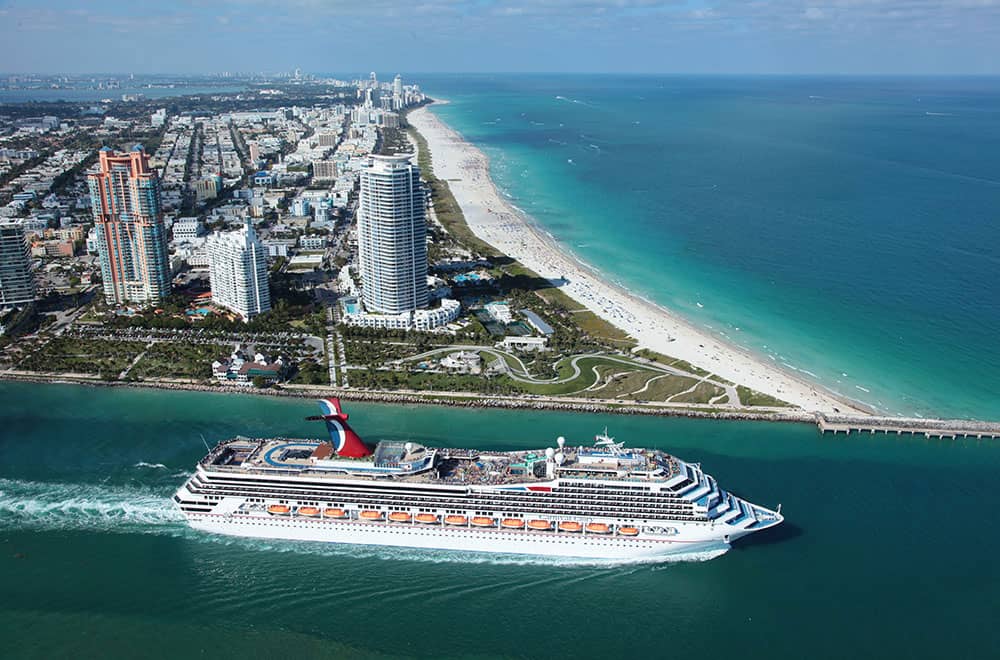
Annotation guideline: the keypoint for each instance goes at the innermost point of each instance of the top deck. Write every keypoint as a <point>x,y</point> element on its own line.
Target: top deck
<point>415,462</point>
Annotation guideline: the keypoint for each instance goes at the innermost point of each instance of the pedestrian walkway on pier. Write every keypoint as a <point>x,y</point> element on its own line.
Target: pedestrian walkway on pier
<point>931,428</point>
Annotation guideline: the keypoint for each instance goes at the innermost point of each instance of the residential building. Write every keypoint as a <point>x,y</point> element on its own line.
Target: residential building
<point>131,238</point>
<point>324,170</point>
<point>17,282</point>
<point>237,266</point>
<point>392,236</point>
<point>312,242</point>
<point>187,229</point>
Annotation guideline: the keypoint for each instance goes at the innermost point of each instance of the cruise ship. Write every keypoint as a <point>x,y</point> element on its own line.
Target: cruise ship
<point>602,501</point>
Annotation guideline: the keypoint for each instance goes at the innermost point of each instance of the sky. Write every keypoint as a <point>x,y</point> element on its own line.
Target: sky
<point>414,36</point>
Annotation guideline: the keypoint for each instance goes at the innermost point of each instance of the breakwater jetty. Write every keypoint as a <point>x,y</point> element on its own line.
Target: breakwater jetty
<point>931,428</point>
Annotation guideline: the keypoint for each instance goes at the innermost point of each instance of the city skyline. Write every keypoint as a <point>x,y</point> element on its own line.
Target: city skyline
<point>652,36</point>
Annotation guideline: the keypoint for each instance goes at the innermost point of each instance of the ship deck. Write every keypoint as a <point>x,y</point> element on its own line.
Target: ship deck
<point>293,456</point>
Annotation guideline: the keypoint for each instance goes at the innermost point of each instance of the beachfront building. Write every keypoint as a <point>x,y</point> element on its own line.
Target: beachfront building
<point>422,319</point>
<point>17,282</point>
<point>392,236</point>
<point>237,268</point>
<point>241,369</point>
<point>131,239</point>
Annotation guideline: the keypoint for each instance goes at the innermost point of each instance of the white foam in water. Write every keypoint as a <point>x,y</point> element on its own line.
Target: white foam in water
<point>155,466</point>
<point>41,505</point>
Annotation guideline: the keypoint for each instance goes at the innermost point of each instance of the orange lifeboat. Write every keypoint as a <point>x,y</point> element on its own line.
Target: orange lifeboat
<point>512,523</point>
<point>427,518</point>
<point>628,531</point>
<point>538,524</point>
<point>370,515</point>
<point>334,513</point>
<point>598,528</point>
<point>570,526</point>
<point>456,520</point>
<point>279,509</point>
<point>309,511</point>
<point>483,521</point>
<point>399,516</point>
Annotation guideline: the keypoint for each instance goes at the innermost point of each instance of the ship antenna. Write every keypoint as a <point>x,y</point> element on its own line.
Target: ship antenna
<point>205,442</point>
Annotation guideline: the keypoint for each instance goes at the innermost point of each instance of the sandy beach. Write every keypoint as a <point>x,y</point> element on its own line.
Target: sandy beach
<point>496,221</point>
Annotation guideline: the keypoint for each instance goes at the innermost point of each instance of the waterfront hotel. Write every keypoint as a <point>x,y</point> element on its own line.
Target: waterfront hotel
<point>131,239</point>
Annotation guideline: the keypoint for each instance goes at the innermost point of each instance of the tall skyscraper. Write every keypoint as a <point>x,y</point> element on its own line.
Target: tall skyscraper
<point>237,269</point>
<point>17,282</point>
<point>131,239</point>
<point>392,236</point>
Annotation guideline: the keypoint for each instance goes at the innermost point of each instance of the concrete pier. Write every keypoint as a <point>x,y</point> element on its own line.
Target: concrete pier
<point>930,428</point>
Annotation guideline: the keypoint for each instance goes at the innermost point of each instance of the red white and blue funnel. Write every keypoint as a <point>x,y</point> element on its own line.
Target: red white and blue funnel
<point>345,441</point>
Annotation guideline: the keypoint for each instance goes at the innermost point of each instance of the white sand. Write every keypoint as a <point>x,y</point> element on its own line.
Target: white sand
<point>495,221</point>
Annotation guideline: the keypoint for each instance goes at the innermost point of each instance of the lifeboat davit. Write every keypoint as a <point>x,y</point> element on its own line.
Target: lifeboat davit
<point>427,518</point>
<point>570,526</point>
<point>334,513</point>
<point>628,531</point>
<point>597,528</point>
<point>456,520</point>
<point>399,516</point>
<point>370,515</point>
<point>279,509</point>
<point>309,511</point>
<point>483,521</point>
<point>512,523</point>
<point>539,524</point>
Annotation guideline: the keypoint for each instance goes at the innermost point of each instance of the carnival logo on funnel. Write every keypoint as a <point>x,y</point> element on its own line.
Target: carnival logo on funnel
<point>345,440</point>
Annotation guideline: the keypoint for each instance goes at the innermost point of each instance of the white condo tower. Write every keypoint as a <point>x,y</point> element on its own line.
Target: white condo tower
<point>237,263</point>
<point>392,235</point>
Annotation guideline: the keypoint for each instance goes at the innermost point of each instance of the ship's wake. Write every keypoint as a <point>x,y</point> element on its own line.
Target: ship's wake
<point>46,505</point>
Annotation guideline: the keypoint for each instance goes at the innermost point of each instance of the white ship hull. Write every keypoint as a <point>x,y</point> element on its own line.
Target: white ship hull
<point>442,537</point>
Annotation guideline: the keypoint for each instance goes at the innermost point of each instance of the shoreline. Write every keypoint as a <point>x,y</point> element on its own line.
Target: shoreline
<point>496,221</point>
<point>455,400</point>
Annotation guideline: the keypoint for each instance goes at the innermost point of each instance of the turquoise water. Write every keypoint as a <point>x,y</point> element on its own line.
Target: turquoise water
<point>887,550</point>
<point>844,227</point>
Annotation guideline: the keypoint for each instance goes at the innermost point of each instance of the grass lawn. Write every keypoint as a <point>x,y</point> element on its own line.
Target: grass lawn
<point>749,397</point>
<point>178,360</point>
<point>85,356</point>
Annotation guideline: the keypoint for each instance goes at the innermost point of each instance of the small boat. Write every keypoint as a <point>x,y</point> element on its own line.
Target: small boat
<point>279,509</point>
<point>399,516</point>
<point>539,524</point>
<point>334,513</point>
<point>628,531</point>
<point>597,528</point>
<point>512,523</point>
<point>370,515</point>
<point>456,520</point>
<point>570,526</point>
<point>310,511</point>
<point>483,521</point>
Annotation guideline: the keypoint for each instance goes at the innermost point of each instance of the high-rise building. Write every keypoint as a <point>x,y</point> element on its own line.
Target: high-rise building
<point>17,282</point>
<point>131,238</point>
<point>237,269</point>
<point>392,236</point>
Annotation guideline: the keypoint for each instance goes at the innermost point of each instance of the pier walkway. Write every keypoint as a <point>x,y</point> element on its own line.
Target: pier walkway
<point>931,428</point>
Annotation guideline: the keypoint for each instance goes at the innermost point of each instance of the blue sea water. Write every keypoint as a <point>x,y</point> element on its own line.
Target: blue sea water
<point>847,228</point>
<point>887,549</point>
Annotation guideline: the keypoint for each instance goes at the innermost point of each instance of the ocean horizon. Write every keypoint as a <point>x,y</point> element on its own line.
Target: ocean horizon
<point>838,227</point>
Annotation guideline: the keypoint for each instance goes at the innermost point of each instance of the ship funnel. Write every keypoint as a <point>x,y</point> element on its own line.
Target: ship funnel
<point>345,441</point>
